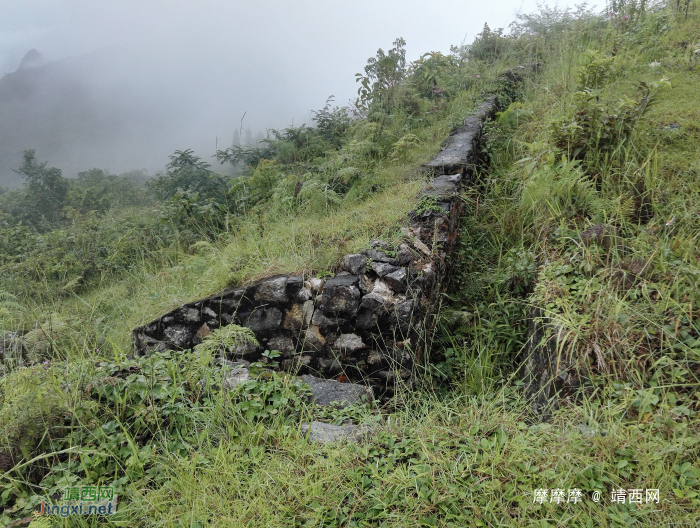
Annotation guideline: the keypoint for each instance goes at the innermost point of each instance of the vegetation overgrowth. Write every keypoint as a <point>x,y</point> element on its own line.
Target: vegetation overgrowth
<point>586,216</point>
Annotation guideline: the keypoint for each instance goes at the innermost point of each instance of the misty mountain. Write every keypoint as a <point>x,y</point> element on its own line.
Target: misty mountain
<point>122,111</point>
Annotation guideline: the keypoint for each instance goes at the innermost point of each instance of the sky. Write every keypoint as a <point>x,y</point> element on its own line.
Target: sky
<point>160,75</point>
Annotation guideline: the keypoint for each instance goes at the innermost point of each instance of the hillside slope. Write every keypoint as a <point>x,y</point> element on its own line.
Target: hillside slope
<point>577,246</point>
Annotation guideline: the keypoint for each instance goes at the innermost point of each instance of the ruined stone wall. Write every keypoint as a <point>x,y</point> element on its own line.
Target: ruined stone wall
<point>368,322</point>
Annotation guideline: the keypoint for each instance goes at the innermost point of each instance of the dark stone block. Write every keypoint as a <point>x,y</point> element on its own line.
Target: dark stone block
<point>295,285</point>
<point>330,366</point>
<point>283,344</point>
<point>189,314</point>
<point>180,337</point>
<point>325,392</point>
<point>382,268</point>
<point>366,319</point>
<point>397,280</point>
<point>272,291</point>
<point>371,301</point>
<point>401,316</point>
<point>404,255</point>
<point>365,283</point>
<point>377,243</point>
<point>354,264</point>
<point>263,319</point>
<point>340,296</point>
<point>146,345</point>
<point>379,256</point>
<point>327,320</point>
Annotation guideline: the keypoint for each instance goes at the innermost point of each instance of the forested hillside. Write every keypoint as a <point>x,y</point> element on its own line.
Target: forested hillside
<point>564,367</point>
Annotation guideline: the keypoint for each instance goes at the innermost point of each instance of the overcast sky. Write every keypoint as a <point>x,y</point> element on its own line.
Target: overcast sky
<point>204,63</point>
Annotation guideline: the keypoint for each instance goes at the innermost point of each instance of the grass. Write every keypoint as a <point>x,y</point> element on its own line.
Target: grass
<point>447,462</point>
<point>461,447</point>
<point>304,245</point>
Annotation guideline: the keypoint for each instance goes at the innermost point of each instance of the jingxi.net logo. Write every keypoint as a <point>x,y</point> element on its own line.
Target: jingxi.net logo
<point>84,500</point>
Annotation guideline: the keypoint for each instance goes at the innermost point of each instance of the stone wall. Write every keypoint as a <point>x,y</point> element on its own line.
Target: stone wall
<point>367,323</point>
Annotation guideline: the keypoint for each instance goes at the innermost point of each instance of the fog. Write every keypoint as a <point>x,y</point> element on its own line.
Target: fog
<point>121,85</point>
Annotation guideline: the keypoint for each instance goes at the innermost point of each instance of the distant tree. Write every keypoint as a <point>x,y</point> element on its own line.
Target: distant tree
<point>382,74</point>
<point>249,137</point>
<point>187,172</point>
<point>488,45</point>
<point>248,155</point>
<point>46,189</point>
<point>333,123</point>
<point>98,190</point>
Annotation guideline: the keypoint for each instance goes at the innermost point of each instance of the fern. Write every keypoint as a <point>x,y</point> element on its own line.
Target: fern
<point>316,196</point>
<point>228,338</point>
<point>560,192</point>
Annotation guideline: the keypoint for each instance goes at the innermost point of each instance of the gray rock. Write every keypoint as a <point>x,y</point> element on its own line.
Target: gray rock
<point>313,338</point>
<point>401,316</point>
<point>404,255</point>
<point>225,363</point>
<point>232,378</point>
<point>377,243</point>
<point>340,296</point>
<point>297,362</point>
<point>294,288</point>
<point>354,264</point>
<point>325,392</point>
<point>460,150</point>
<point>298,316</point>
<point>327,433</point>
<point>366,284</point>
<point>263,319</point>
<point>375,358</point>
<point>315,285</point>
<point>283,344</point>
<point>324,321</point>
<point>308,312</point>
<point>381,289</point>
<point>366,320</point>
<point>382,268</point>
<point>329,365</point>
<point>243,350</point>
<point>179,336</point>
<point>349,342</point>
<point>146,345</point>
<point>272,291</point>
<point>304,295</point>
<point>397,280</point>
<point>372,301</point>
<point>379,256</point>
<point>371,306</point>
<point>443,187</point>
<point>190,315</point>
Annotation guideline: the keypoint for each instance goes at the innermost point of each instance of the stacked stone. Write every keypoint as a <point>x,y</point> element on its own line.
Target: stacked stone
<point>370,321</point>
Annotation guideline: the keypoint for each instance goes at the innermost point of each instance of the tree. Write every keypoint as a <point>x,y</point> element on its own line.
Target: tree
<point>333,123</point>
<point>46,188</point>
<point>382,74</point>
<point>187,172</point>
